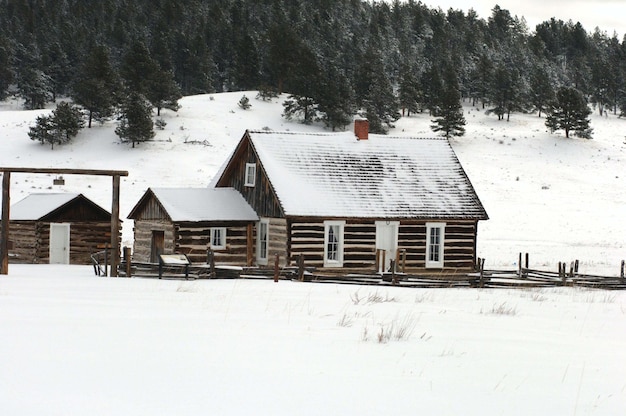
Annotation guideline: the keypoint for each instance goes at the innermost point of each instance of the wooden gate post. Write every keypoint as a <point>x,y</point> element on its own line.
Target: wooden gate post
<point>4,230</point>
<point>115,226</point>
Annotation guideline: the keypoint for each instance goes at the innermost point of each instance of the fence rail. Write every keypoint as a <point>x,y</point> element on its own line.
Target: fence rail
<point>522,277</point>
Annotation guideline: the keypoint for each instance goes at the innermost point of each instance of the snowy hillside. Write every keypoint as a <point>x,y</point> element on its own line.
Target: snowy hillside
<point>555,198</point>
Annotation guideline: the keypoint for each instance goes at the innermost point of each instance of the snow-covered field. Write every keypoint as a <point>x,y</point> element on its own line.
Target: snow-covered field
<point>73,343</point>
<point>76,344</point>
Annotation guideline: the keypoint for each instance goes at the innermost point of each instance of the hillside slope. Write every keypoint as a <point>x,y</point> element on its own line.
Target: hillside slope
<point>555,198</point>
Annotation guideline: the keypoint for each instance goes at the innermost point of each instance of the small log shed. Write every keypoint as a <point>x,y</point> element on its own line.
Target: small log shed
<point>57,228</point>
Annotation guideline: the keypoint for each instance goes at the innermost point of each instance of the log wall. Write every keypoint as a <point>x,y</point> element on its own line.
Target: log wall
<point>143,238</point>
<point>359,245</point>
<point>193,239</point>
<point>25,242</point>
<point>31,241</point>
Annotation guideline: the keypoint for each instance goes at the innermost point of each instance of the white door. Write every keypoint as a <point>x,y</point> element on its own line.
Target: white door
<point>60,243</point>
<point>387,240</point>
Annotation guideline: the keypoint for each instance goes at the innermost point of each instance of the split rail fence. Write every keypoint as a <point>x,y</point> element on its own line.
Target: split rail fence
<point>567,274</point>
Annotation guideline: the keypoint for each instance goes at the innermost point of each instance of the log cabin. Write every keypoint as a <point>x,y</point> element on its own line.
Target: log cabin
<point>57,228</point>
<point>354,202</point>
<point>193,221</point>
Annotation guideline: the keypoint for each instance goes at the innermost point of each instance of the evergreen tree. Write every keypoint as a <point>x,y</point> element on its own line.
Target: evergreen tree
<point>163,92</point>
<point>57,65</point>
<point>409,93</point>
<point>336,99</point>
<point>505,92</point>
<point>138,69</point>
<point>135,120</point>
<point>569,112</point>
<point>375,93</point>
<point>432,87</point>
<point>6,72</point>
<point>144,75</point>
<point>60,127</point>
<point>244,103</point>
<point>97,85</point>
<point>67,120</point>
<point>35,87</point>
<point>541,90</point>
<point>297,106</point>
<point>43,131</point>
<point>450,120</point>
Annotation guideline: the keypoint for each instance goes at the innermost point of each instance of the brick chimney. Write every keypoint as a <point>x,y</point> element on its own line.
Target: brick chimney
<point>361,128</point>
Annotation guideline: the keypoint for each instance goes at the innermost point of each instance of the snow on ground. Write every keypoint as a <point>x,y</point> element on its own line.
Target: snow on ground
<point>73,343</point>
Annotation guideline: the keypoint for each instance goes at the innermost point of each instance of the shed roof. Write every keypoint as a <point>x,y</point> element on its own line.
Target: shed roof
<point>37,206</point>
<point>335,175</point>
<point>200,204</point>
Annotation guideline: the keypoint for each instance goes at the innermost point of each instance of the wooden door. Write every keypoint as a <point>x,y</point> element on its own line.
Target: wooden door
<point>387,240</point>
<point>157,246</point>
<point>59,243</point>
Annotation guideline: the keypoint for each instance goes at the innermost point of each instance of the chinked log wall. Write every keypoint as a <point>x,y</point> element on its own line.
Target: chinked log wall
<point>193,240</point>
<point>143,238</point>
<point>307,238</point>
<point>23,235</point>
<point>31,241</point>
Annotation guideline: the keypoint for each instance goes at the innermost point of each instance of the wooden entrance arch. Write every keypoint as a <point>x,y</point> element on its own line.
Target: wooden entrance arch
<point>115,210</point>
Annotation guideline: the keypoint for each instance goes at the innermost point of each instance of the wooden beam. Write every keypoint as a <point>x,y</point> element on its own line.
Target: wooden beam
<point>115,226</point>
<point>66,171</point>
<point>4,230</point>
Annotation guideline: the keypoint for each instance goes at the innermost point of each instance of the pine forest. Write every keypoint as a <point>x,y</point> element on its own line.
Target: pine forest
<point>333,57</point>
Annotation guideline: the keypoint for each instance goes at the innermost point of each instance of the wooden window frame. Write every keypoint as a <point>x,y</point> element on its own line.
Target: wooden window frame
<point>222,234</point>
<point>435,250</point>
<point>339,226</point>
<point>250,175</point>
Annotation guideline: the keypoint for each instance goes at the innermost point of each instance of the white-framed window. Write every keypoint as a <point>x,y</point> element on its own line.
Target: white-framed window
<point>435,237</point>
<point>333,243</point>
<point>250,179</point>
<point>262,249</point>
<point>218,238</point>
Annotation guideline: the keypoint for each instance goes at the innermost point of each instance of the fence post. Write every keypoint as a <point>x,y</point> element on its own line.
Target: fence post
<point>301,267</point>
<point>128,261</point>
<point>276,269</point>
<point>210,259</point>
<point>519,266</point>
<point>482,273</point>
<point>403,260</point>
<point>394,280</point>
<point>527,261</point>
<point>622,272</point>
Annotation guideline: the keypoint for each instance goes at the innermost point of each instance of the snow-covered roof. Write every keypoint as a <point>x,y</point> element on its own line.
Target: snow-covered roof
<point>36,206</point>
<point>336,175</point>
<point>204,204</point>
